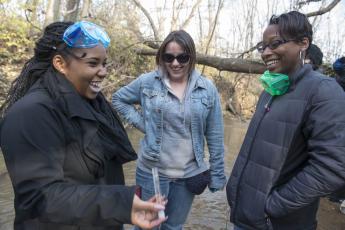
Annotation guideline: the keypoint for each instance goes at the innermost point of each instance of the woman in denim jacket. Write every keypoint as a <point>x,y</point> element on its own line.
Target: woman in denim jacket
<point>179,109</point>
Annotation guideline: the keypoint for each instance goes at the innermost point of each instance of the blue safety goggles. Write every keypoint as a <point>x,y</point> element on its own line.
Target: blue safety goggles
<point>85,35</point>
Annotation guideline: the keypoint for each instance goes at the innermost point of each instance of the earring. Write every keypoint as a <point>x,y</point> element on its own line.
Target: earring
<point>300,57</point>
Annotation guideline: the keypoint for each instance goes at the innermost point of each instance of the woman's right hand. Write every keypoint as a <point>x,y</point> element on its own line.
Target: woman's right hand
<point>145,213</point>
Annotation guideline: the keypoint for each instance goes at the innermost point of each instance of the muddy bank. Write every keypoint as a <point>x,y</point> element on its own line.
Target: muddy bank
<point>330,217</point>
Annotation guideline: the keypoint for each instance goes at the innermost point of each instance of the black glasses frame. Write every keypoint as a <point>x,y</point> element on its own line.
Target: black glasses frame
<point>272,45</point>
<point>181,58</point>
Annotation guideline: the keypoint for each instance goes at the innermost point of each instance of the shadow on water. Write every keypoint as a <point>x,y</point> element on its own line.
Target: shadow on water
<point>209,211</point>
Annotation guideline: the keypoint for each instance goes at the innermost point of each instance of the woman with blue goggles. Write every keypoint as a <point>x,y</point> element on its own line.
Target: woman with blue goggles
<point>63,144</point>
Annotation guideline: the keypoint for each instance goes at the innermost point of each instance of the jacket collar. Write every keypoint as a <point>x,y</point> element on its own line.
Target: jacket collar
<point>71,102</point>
<point>299,74</point>
<point>195,77</point>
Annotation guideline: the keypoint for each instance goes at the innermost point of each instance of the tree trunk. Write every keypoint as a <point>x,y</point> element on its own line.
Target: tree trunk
<point>32,6</point>
<point>148,16</point>
<point>57,10</point>
<point>49,13</point>
<point>72,10</point>
<point>85,11</point>
<point>227,64</point>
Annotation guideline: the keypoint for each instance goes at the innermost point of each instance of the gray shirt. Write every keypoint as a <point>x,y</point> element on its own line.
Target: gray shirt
<point>177,158</point>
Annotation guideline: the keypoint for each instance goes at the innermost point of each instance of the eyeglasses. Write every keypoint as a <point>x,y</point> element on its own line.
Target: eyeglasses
<point>181,58</point>
<point>85,35</point>
<point>273,45</point>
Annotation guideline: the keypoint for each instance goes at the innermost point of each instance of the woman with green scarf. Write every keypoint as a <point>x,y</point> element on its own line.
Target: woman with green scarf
<point>294,149</point>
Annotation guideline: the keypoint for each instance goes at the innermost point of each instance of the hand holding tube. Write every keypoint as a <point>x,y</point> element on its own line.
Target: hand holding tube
<point>144,213</point>
<point>158,194</point>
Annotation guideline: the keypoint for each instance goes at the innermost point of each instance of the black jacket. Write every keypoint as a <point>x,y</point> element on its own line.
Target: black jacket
<point>64,174</point>
<point>293,153</point>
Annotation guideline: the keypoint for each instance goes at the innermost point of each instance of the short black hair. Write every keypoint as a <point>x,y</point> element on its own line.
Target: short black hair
<point>293,25</point>
<point>315,55</point>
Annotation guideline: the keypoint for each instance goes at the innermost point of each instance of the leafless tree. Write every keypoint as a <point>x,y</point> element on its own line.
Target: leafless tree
<point>86,9</point>
<point>31,13</point>
<point>72,9</point>
<point>191,14</point>
<point>148,16</point>
<point>212,26</point>
<point>324,10</point>
<point>53,11</point>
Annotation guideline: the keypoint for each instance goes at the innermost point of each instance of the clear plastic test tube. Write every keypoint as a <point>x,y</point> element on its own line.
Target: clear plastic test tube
<point>158,194</point>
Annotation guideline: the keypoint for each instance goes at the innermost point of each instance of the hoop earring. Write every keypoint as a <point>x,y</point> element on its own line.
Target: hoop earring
<point>301,58</point>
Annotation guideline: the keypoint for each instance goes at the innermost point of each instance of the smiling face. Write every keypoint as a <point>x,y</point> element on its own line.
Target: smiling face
<point>176,71</point>
<point>285,58</point>
<point>87,72</point>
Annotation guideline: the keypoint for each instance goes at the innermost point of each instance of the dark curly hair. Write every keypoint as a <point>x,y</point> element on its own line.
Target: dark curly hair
<point>49,45</point>
<point>293,25</point>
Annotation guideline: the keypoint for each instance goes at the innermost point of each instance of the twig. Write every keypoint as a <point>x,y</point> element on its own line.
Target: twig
<point>28,20</point>
<point>324,10</point>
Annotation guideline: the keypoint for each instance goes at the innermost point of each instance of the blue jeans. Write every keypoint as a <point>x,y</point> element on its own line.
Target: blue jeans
<point>179,198</point>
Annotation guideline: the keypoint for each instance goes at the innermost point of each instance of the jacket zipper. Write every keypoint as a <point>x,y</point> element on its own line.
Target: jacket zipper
<point>267,109</point>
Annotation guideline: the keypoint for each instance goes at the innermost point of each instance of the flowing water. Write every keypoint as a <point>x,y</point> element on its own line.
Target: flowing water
<point>209,210</point>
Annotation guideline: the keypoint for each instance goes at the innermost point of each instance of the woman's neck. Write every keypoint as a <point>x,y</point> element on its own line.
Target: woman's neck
<point>179,87</point>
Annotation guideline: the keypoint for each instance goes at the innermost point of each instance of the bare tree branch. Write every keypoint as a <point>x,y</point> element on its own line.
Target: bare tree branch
<point>173,17</point>
<point>312,14</point>
<point>220,6</point>
<point>324,10</point>
<point>33,4</point>
<point>247,51</point>
<point>191,15</point>
<point>232,64</point>
<point>227,64</point>
<point>29,21</point>
<point>147,14</point>
<point>302,3</point>
<point>176,14</point>
<point>71,11</point>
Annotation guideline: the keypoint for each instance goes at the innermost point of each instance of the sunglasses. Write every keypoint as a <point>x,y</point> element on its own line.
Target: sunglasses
<point>272,45</point>
<point>85,35</point>
<point>181,58</point>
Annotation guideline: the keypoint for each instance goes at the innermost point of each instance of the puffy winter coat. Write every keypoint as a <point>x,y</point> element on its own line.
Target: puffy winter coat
<point>293,154</point>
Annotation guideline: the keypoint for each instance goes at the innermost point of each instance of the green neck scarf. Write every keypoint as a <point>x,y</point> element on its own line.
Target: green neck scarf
<point>275,83</point>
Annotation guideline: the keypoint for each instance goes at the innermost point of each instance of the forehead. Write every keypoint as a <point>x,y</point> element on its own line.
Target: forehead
<point>272,31</point>
<point>174,47</point>
<point>95,52</point>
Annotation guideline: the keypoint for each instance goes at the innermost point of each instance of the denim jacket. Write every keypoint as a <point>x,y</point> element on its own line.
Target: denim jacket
<point>149,91</point>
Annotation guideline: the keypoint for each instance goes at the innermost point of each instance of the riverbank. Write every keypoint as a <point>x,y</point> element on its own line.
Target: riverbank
<point>209,210</point>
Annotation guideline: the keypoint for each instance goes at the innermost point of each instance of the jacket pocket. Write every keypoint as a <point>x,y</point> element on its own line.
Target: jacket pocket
<point>150,101</point>
<point>206,102</point>
<point>150,92</point>
<point>201,108</point>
